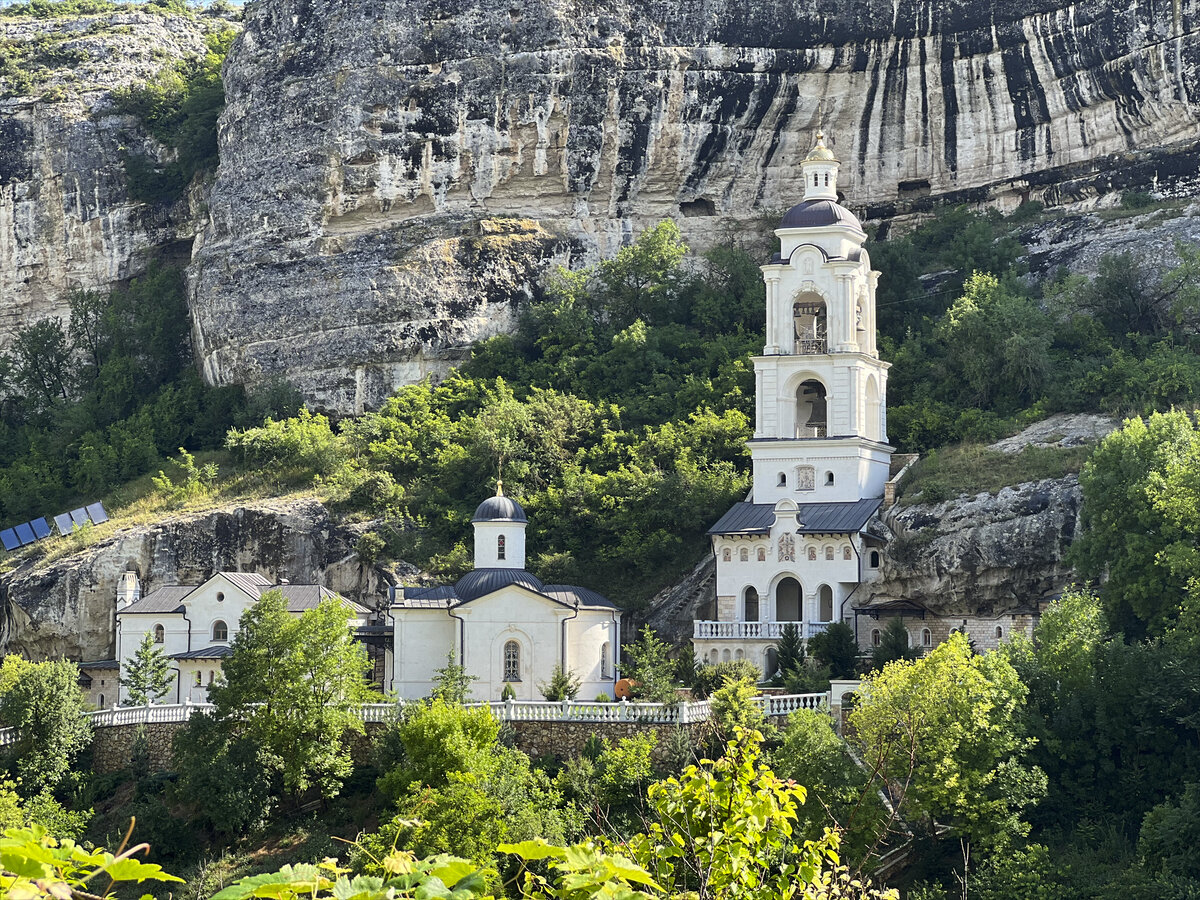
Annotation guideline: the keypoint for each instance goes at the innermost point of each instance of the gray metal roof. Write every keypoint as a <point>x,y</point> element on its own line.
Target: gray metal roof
<point>499,509</point>
<point>299,597</point>
<point>205,653</point>
<point>100,664</point>
<point>818,213</point>
<point>815,518</point>
<point>486,581</point>
<point>577,596</point>
<point>166,599</point>
<point>482,582</point>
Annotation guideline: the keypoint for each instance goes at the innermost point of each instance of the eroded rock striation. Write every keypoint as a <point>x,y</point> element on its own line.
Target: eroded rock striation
<point>67,221</point>
<point>67,607</point>
<point>361,139</point>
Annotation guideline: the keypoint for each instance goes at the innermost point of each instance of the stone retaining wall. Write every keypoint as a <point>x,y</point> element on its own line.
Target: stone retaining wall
<point>113,745</point>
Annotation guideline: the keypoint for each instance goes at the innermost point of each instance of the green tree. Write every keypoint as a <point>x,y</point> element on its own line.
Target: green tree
<point>732,708</point>
<point>293,685</point>
<point>650,664</point>
<point>1140,520</point>
<point>44,703</point>
<point>836,649</point>
<point>950,728</point>
<point>789,652</point>
<point>41,356</point>
<point>452,683</point>
<point>563,685</point>
<point>893,645</point>
<point>439,738</point>
<point>148,674</point>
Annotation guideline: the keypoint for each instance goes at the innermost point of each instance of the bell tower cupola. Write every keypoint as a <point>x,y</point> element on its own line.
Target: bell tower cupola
<point>820,170</point>
<point>499,524</point>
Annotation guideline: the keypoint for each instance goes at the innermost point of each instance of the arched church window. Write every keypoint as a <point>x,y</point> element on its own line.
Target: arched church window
<point>102,701</point>
<point>199,678</point>
<point>829,553</point>
<point>782,480</point>
<point>726,555</point>
<point>159,634</point>
<point>826,179</point>
<point>829,479</point>
<point>999,632</point>
<point>744,555</point>
<point>926,637</point>
<point>825,603</point>
<point>220,631</point>
<point>500,549</point>
<point>605,668</point>
<point>762,554</point>
<point>211,675</point>
<point>812,553</point>
<point>816,180</point>
<point>512,661</point>
<point>847,553</point>
<point>876,637</point>
<point>874,559</point>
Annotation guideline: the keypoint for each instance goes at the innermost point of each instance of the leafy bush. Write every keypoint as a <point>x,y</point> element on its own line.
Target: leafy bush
<point>708,677</point>
<point>563,685</point>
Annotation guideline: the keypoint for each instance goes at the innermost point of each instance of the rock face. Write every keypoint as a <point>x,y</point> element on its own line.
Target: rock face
<point>981,555</point>
<point>66,218</point>
<point>67,607</point>
<point>360,139</point>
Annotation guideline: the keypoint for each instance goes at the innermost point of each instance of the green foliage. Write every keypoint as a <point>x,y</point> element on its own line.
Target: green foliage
<point>951,727</point>
<point>893,645</point>
<point>707,677</point>
<point>563,685</point>
<point>407,877</point>
<point>44,703</point>
<point>148,674</point>
<point>835,649</point>
<point>839,792</point>
<point>304,444</point>
<point>34,864</point>
<point>732,709</point>
<point>610,781</point>
<point>179,107</point>
<point>1140,520</point>
<point>196,482</point>
<point>789,652</point>
<point>452,683</point>
<point>131,396</point>
<point>649,663</point>
<point>292,686</point>
<point>439,738</point>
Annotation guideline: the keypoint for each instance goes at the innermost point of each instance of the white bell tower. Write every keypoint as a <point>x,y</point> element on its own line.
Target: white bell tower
<point>820,425</point>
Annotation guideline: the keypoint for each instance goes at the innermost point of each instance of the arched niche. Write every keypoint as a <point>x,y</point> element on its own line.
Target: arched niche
<point>810,324</point>
<point>789,597</point>
<point>874,413</point>
<point>812,409</point>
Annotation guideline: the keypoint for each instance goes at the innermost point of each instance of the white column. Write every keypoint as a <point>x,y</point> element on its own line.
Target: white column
<point>772,282</point>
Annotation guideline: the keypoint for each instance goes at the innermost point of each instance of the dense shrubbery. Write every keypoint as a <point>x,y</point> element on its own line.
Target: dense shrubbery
<point>179,107</point>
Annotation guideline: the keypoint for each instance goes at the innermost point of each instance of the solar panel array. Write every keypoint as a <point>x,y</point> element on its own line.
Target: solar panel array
<point>39,529</point>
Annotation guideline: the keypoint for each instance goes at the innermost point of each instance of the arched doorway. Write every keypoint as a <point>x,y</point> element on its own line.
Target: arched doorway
<point>825,602</point>
<point>810,409</point>
<point>750,610</point>
<point>787,600</point>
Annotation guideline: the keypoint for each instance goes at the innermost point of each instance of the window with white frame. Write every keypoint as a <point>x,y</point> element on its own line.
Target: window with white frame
<point>220,631</point>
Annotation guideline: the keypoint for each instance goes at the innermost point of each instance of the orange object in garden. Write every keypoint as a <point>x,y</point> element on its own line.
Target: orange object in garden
<point>624,688</point>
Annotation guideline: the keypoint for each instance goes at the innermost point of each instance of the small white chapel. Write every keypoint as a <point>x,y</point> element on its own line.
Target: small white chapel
<point>796,550</point>
<point>502,623</point>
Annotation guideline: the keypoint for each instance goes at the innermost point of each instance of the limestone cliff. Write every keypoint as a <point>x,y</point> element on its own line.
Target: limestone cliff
<point>360,139</point>
<point>67,221</point>
<point>67,607</point>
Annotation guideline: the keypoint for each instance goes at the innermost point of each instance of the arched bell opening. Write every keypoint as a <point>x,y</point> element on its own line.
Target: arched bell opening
<point>809,325</point>
<point>811,409</point>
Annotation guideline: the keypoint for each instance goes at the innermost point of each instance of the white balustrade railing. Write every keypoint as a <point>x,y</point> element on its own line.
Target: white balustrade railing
<point>766,631</point>
<point>8,736</point>
<point>815,628</point>
<point>682,713</point>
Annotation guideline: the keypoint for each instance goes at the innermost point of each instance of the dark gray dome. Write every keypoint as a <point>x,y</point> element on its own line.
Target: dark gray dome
<point>818,214</point>
<point>485,581</point>
<point>499,509</point>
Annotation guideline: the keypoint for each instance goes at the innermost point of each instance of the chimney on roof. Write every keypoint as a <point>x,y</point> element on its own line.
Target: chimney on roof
<point>129,589</point>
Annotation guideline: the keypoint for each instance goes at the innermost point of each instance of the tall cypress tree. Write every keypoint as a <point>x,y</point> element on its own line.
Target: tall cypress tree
<point>147,673</point>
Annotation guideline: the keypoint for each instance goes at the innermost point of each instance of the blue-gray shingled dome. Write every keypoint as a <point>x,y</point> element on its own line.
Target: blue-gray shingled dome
<point>484,581</point>
<point>818,214</point>
<point>499,509</point>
